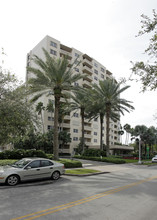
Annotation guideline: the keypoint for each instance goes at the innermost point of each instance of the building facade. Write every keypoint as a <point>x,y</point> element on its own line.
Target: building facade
<point>94,71</point>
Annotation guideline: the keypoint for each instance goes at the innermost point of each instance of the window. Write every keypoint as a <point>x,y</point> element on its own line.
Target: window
<point>95,64</point>
<point>95,78</point>
<point>50,119</point>
<point>95,119</point>
<point>53,52</point>
<point>76,69</point>
<point>102,69</point>
<point>76,55</point>
<point>95,140</point>
<point>76,115</point>
<point>46,163</point>
<point>75,138</point>
<point>53,44</point>
<point>95,133</point>
<point>34,164</point>
<point>75,130</point>
<point>95,71</point>
<point>102,76</point>
<point>49,127</point>
<point>76,84</point>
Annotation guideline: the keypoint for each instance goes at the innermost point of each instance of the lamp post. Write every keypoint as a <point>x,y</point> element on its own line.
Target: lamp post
<point>139,161</point>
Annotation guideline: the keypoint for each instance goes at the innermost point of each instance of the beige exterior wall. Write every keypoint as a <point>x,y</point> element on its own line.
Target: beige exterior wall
<point>95,71</point>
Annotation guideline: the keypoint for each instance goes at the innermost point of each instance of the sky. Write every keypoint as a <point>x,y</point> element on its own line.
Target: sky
<point>104,29</point>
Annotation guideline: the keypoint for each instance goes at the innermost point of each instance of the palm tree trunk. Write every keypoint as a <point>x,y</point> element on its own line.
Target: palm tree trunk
<point>82,122</point>
<point>101,129</point>
<point>42,123</point>
<point>55,147</point>
<point>107,129</point>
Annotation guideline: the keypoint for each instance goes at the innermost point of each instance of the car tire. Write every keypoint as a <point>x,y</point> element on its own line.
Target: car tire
<point>13,180</point>
<point>55,175</point>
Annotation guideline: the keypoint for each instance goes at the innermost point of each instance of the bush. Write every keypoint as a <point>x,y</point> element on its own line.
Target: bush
<point>94,153</point>
<point>71,163</point>
<point>104,159</point>
<point>20,153</point>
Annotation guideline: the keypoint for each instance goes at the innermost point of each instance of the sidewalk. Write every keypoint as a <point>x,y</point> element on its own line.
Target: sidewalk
<point>102,167</point>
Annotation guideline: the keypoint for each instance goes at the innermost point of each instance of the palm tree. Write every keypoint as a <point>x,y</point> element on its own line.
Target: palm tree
<point>52,77</point>
<point>39,108</point>
<point>96,109</point>
<point>121,132</point>
<point>80,100</point>
<point>108,91</point>
<point>127,129</point>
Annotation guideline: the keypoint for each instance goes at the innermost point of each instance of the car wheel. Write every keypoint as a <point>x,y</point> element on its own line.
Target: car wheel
<point>55,175</point>
<point>13,180</point>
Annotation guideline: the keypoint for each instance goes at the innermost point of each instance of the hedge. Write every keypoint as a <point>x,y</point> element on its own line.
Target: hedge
<point>103,159</point>
<point>70,163</point>
<point>94,153</point>
<point>20,153</point>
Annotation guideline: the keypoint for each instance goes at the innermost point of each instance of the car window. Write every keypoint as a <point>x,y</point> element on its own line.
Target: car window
<point>45,163</point>
<point>34,164</point>
<point>21,163</point>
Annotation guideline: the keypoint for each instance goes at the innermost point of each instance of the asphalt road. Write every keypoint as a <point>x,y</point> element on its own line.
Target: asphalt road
<point>128,192</point>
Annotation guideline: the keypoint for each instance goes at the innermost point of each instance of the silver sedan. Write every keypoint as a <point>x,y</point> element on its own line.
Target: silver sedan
<point>30,169</point>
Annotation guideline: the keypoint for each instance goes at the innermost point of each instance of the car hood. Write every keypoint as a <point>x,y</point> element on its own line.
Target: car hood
<point>7,168</point>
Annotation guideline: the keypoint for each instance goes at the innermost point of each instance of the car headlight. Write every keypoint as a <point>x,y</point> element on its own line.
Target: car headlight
<point>1,173</point>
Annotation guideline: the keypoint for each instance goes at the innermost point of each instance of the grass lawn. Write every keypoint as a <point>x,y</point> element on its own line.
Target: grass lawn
<point>81,171</point>
<point>6,162</point>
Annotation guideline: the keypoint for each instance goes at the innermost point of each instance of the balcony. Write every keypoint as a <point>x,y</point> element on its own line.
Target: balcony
<point>87,70</point>
<point>65,125</point>
<point>87,63</point>
<point>87,128</point>
<point>85,56</point>
<point>87,84</point>
<point>87,135</point>
<point>67,117</point>
<point>88,78</point>
<point>65,48</point>
<point>65,53</point>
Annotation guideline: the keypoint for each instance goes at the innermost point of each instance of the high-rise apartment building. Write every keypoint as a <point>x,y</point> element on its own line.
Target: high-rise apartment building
<point>94,71</point>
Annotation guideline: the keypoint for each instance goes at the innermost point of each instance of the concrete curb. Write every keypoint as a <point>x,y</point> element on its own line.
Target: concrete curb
<point>89,174</point>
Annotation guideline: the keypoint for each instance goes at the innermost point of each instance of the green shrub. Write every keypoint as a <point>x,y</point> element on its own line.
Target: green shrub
<point>103,159</point>
<point>50,156</point>
<point>20,153</point>
<point>71,163</point>
<point>94,153</point>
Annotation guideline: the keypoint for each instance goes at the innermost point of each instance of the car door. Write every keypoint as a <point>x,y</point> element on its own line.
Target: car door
<point>32,171</point>
<point>46,167</point>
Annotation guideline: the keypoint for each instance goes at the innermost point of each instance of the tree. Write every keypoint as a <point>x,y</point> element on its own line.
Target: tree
<point>147,72</point>
<point>108,93</point>
<point>147,136</point>
<point>39,109</point>
<point>127,129</point>
<point>121,132</point>
<point>16,115</point>
<point>80,100</point>
<point>95,110</point>
<point>64,138</point>
<point>52,77</point>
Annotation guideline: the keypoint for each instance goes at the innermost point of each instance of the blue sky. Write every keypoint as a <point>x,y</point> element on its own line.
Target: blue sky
<point>104,29</point>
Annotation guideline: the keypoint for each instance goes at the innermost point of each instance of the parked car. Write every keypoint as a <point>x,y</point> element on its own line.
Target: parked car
<point>154,159</point>
<point>30,169</point>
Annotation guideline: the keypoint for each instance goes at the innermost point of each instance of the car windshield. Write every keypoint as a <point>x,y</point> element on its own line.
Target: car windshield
<point>21,163</point>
